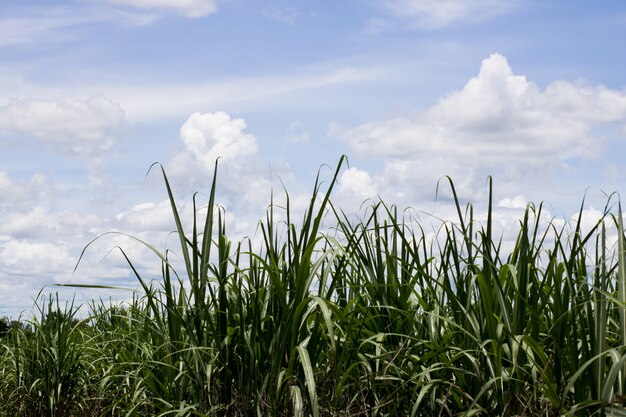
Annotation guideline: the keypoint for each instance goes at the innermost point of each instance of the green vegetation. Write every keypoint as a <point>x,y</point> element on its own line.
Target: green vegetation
<point>367,317</point>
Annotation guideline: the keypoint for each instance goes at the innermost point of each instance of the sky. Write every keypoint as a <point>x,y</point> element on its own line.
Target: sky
<point>93,92</point>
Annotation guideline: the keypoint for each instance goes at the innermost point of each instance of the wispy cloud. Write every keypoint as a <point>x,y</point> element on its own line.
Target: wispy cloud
<point>174,100</point>
<point>25,30</point>
<point>432,14</point>
<point>30,25</point>
<point>186,8</point>
<point>297,134</point>
<point>287,15</point>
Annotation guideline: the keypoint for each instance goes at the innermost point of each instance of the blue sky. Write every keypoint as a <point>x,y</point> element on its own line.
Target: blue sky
<point>93,92</point>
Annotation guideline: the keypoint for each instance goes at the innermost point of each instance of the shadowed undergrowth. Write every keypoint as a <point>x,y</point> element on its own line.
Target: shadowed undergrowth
<point>333,316</point>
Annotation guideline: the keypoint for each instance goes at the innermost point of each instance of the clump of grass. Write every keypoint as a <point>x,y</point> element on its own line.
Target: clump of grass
<point>339,317</point>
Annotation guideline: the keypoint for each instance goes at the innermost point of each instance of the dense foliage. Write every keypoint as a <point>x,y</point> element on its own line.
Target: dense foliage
<point>371,317</point>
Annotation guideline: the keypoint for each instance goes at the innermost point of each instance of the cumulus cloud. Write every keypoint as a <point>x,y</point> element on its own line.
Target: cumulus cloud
<point>355,187</point>
<point>588,218</point>
<point>152,216</point>
<point>516,202</point>
<point>78,124</point>
<point>243,188</point>
<point>41,238</point>
<point>498,114</point>
<point>19,194</point>
<point>437,13</point>
<point>499,122</point>
<point>244,184</point>
<point>41,246</point>
<point>32,223</point>
<point>186,8</point>
<point>7,185</point>
<point>35,257</point>
<point>39,222</point>
<point>212,135</point>
<point>358,183</point>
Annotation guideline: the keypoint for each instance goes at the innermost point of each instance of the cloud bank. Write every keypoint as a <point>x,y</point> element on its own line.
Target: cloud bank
<point>498,115</point>
<point>498,123</point>
<point>79,124</point>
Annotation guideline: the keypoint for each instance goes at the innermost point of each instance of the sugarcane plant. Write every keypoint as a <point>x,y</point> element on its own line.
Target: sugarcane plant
<point>381,313</point>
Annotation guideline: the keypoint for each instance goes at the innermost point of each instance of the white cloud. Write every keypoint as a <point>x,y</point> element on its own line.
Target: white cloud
<point>589,218</point>
<point>437,13</point>
<point>355,187</point>
<point>81,124</point>
<point>39,222</point>
<point>6,184</point>
<point>499,124</point>
<point>19,194</point>
<point>513,203</point>
<point>157,101</point>
<point>243,179</point>
<point>35,222</point>
<point>42,234</point>
<point>212,135</point>
<point>151,216</point>
<point>145,101</point>
<point>35,257</point>
<point>43,25</point>
<point>187,8</point>
<point>25,30</point>
<point>245,182</point>
<point>357,183</point>
<point>53,24</point>
<point>498,114</point>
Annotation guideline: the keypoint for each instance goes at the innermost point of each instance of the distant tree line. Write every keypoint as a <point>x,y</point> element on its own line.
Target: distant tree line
<point>6,324</point>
